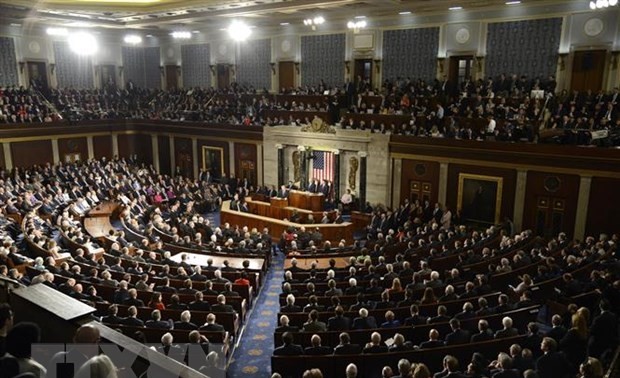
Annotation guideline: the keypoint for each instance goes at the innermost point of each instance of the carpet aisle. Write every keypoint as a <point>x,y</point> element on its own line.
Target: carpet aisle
<point>253,355</point>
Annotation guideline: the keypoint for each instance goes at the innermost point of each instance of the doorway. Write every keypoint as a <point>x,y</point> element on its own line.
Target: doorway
<point>459,71</point>
<point>108,76</point>
<point>286,77</point>
<point>588,70</point>
<point>37,75</point>
<point>223,76</point>
<point>172,77</point>
<point>363,74</point>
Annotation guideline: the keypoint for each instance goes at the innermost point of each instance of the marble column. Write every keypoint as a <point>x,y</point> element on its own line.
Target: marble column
<point>583,201</point>
<point>336,183</point>
<point>442,191</point>
<point>155,148</point>
<point>280,165</point>
<point>259,165</point>
<point>91,147</point>
<point>363,163</point>
<point>55,151</point>
<point>397,167</point>
<point>195,155</point>
<point>517,217</point>
<point>231,159</point>
<point>114,145</point>
<point>8,159</point>
<point>303,167</point>
<point>173,163</point>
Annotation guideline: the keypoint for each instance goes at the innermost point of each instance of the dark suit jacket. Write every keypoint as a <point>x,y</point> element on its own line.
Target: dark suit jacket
<point>459,336</point>
<point>364,323</point>
<point>133,322</point>
<point>222,308</point>
<point>112,319</point>
<point>553,365</point>
<point>416,320</point>
<point>339,323</point>
<point>188,326</point>
<point>212,328</point>
<point>484,336</point>
<point>283,329</point>
<point>376,349</point>
<point>603,333</point>
<point>348,349</point>
<point>157,324</point>
<point>318,351</point>
<point>431,344</point>
<point>288,350</point>
<point>503,333</point>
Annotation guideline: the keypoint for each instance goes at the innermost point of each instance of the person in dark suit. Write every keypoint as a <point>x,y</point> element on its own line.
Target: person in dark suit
<point>345,346</point>
<point>317,349</point>
<point>364,321</point>
<point>558,331</point>
<point>508,330</point>
<point>552,364</point>
<point>199,304</point>
<point>284,325</point>
<point>375,345</point>
<point>185,322</point>
<point>112,317</point>
<point>433,340</point>
<point>288,348</point>
<point>339,322</point>
<point>533,339</point>
<point>290,305</point>
<point>314,324</point>
<point>221,305</point>
<point>504,367</point>
<point>156,321</point>
<point>603,331</point>
<point>450,368</point>
<point>441,317</point>
<point>133,299</point>
<point>415,318</point>
<point>484,334</point>
<point>211,325</point>
<point>458,335</point>
<point>131,319</point>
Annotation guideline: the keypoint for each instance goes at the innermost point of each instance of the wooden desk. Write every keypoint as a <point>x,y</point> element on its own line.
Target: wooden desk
<point>306,200</point>
<point>331,232</point>
<point>237,263</point>
<point>278,212</point>
<point>360,220</point>
<point>104,209</point>
<point>278,202</point>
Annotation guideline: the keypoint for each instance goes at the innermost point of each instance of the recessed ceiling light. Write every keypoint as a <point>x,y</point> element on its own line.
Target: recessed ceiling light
<point>515,2</point>
<point>149,36</point>
<point>15,24</point>
<point>284,23</point>
<point>406,12</point>
<point>360,16</point>
<point>455,8</point>
<point>196,31</point>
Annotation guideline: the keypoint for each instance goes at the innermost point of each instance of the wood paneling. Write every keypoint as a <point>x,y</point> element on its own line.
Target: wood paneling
<point>2,162</point>
<point>73,147</point>
<point>102,146</point>
<point>245,162</point>
<point>164,154</point>
<point>27,154</point>
<point>136,144</point>
<point>604,207</point>
<point>509,177</point>
<point>183,156</point>
<point>286,73</point>
<point>553,194</point>
<point>588,70</point>
<point>419,171</point>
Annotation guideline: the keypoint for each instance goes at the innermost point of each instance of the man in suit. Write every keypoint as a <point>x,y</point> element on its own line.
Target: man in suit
<point>508,330</point>
<point>441,317</point>
<point>603,332</point>
<point>288,348</point>
<point>290,305</point>
<point>558,331</point>
<point>552,364</point>
<point>199,304</point>
<point>433,340</point>
<point>458,335</point>
<point>450,368</point>
<point>375,345</point>
<point>364,321</point>
<point>210,325</point>
<point>221,305</point>
<point>484,334</point>
<point>339,322</point>
<point>133,299</point>
<point>156,321</point>
<point>284,325</point>
<point>503,367</point>
<point>112,317</point>
<point>184,322</point>
<point>317,349</point>
<point>345,346</point>
<point>415,318</point>
<point>313,324</point>
<point>131,319</point>
<point>283,192</point>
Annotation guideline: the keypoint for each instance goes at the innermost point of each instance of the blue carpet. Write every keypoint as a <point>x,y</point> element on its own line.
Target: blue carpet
<point>253,354</point>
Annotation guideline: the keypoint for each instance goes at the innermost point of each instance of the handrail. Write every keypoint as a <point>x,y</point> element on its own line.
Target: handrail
<point>614,367</point>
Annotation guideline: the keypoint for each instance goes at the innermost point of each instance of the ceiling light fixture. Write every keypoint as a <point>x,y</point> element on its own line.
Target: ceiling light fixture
<point>83,43</point>
<point>356,25</point>
<point>513,2</point>
<point>132,39</point>
<point>455,8</point>
<point>181,35</point>
<point>404,13</point>
<point>239,31</point>
<point>313,22</point>
<point>601,4</point>
<point>57,31</point>
<point>284,23</point>
<point>360,17</point>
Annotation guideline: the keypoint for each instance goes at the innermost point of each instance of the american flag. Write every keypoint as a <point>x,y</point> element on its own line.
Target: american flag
<point>323,165</point>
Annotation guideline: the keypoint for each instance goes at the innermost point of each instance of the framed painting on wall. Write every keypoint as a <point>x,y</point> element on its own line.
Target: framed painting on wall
<point>213,161</point>
<point>480,198</point>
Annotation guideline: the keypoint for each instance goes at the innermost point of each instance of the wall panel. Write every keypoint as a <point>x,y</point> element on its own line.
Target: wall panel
<point>604,207</point>
<point>410,53</point>
<point>102,146</point>
<point>2,162</point>
<point>27,154</point>
<point>196,60</point>
<point>246,165</point>
<point>8,62</point>
<point>253,64</point>
<point>212,143</point>
<point>554,195</point>
<point>419,171</point>
<point>136,144</point>
<point>73,146</point>
<point>163,142</point>
<point>183,156</point>
<point>141,66</point>
<point>322,58</point>
<point>72,70</point>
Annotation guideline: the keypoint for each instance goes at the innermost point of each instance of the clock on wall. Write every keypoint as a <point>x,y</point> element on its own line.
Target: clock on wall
<point>593,27</point>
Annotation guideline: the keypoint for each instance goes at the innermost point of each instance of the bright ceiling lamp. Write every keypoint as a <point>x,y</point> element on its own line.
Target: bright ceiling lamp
<point>181,35</point>
<point>356,25</point>
<point>83,43</point>
<point>132,39</point>
<point>57,31</point>
<point>600,4</point>
<point>313,22</point>
<point>239,31</point>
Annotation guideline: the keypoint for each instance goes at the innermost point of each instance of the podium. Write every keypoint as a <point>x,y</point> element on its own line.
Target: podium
<point>278,202</point>
<point>305,200</point>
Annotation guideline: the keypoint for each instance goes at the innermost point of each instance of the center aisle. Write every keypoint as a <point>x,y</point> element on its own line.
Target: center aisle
<point>253,355</point>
